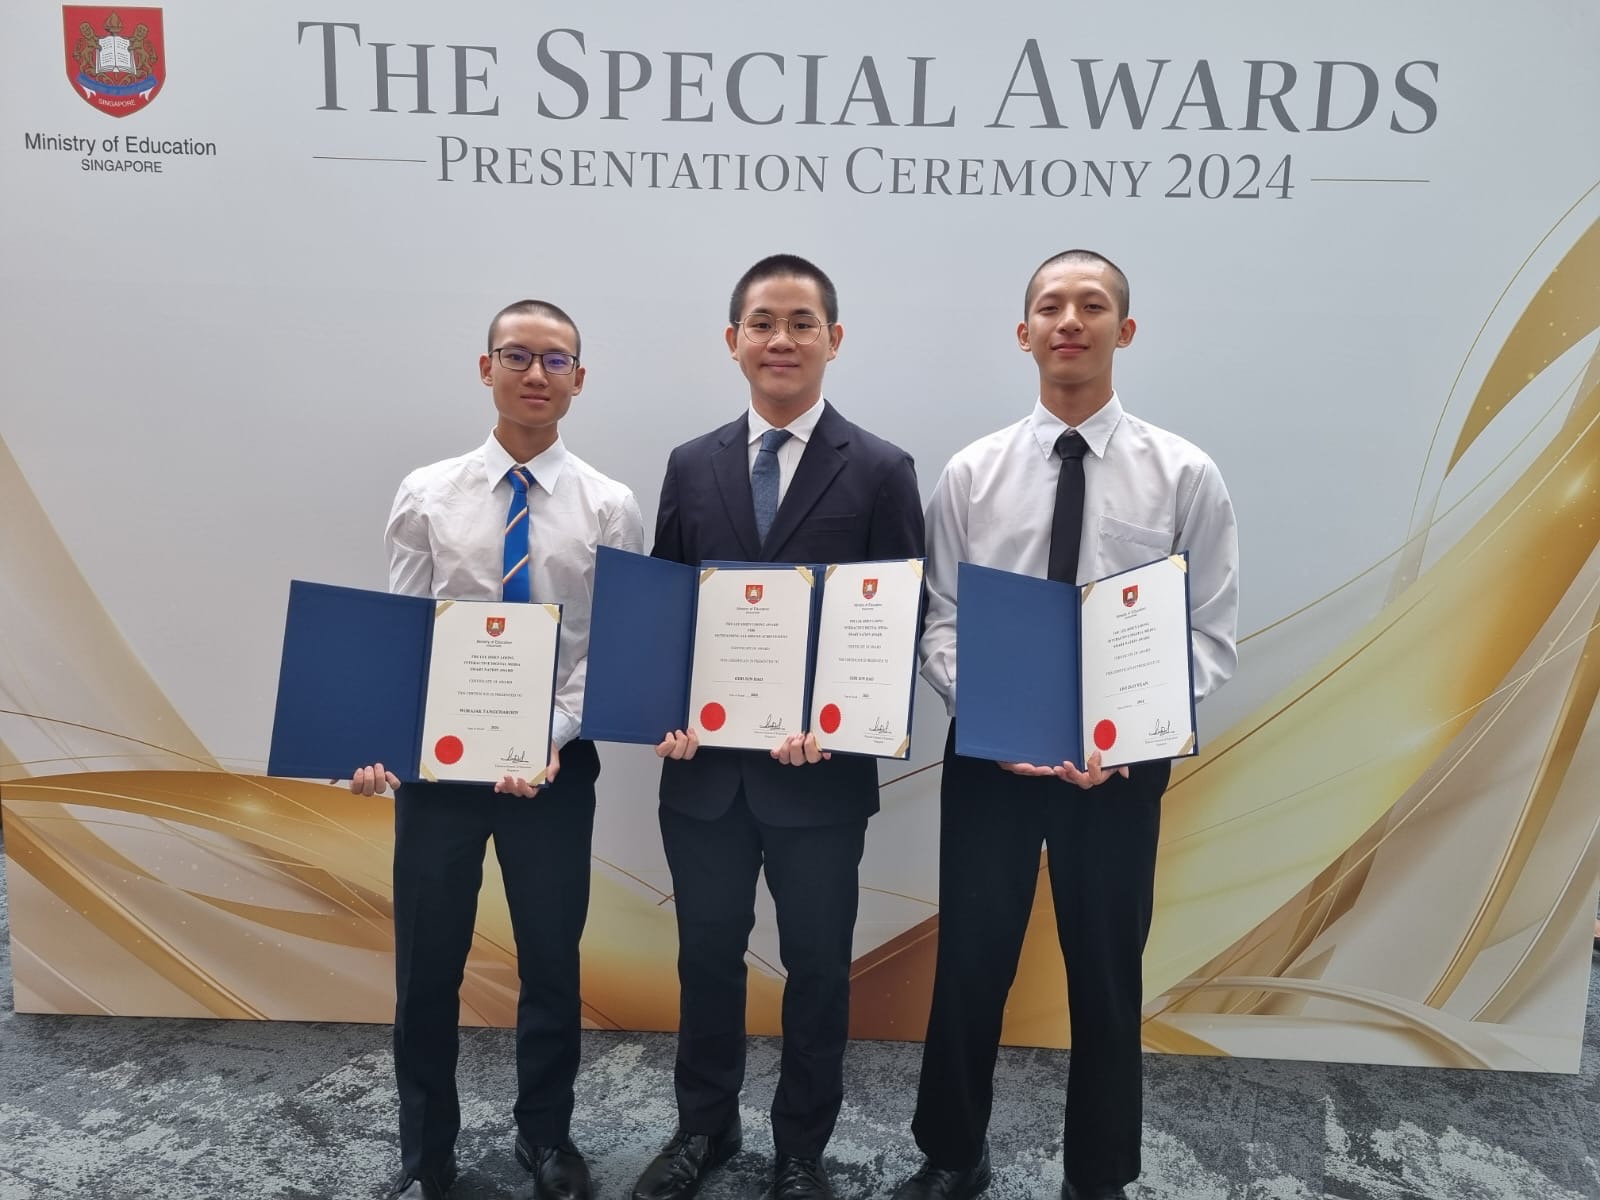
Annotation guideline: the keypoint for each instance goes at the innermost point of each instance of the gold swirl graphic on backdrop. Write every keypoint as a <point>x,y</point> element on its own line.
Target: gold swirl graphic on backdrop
<point>1418,788</point>
<point>1422,698</point>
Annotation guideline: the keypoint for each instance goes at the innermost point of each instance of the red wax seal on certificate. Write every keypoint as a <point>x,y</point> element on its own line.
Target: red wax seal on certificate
<point>1105,735</point>
<point>713,716</point>
<point>448,749</point>
<point>828,718</point>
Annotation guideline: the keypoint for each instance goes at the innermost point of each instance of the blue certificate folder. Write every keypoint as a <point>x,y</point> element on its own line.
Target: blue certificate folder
<point>1019,690</point>
<point>1018,695</point>
<point>637,686</point>
<point>641,644</point>
<point>352,683</point>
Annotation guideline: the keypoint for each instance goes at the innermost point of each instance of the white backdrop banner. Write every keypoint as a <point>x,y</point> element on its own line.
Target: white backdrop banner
<point>248,257</point>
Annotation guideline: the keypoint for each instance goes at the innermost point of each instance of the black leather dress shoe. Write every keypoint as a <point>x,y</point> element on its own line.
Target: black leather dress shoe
<point>941,1183</point>
<point>800,1179</point>
<point>427,1184</point>
<point>559,1172</point>
<point>685,1161</point>
<point>1110,1191</point>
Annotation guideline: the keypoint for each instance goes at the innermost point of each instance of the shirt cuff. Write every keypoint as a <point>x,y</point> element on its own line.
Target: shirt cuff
<point>563,729</point>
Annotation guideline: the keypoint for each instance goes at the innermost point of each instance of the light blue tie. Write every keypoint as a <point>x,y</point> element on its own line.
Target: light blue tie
<point>514,586</point>
<point>764,479</point>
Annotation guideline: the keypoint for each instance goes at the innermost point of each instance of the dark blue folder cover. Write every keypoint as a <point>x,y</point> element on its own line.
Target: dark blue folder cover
<point>1017,690</point>
<point>640,639</point>
<point>351,684</point>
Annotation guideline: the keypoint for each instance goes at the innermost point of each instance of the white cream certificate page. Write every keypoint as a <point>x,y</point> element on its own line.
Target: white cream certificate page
<point>1137,702</point>
<point>747,683</point>
<point>491,688</point>
<point>867,657</point>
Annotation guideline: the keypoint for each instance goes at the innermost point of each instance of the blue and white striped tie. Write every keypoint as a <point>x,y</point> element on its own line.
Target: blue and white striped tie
<point>514,586</point>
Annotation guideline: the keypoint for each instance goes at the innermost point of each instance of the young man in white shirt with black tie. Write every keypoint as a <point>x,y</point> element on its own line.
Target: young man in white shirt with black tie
<point>1130,493</point>
<point>461,529</point>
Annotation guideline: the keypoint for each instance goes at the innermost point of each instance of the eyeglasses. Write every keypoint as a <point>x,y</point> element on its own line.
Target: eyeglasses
<point>760,327</point>
<point>555,362</point>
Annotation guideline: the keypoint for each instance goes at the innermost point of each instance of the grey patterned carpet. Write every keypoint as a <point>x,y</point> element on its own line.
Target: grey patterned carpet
<point>200,1110</point>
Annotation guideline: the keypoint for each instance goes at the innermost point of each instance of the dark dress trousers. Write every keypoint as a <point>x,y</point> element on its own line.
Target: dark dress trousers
<point>725,814</point>
<point>1102,861</point>
<point>543,843</point>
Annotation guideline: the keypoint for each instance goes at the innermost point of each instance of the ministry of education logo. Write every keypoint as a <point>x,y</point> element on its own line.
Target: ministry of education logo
<point>752,593</point>
<point>494,626</point>
<point>116,58</point>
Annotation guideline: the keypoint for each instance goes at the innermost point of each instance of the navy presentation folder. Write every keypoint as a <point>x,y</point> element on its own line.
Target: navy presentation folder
<point>637,686</point>
<point>352,682</point>
<point>1017,690</point>
<point>641,644</point>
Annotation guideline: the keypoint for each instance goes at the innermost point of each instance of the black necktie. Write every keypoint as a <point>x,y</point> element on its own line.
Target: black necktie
<point>1066,530</point>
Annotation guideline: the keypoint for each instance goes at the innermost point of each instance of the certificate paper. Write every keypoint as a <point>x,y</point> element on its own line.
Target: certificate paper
<point>867,658</point>
<point>747,687</point>
<point>1137,694</point>
<point>491,680</point>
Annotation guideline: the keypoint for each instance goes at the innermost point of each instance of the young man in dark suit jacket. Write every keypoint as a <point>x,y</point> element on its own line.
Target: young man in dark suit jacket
<point>789,481</point>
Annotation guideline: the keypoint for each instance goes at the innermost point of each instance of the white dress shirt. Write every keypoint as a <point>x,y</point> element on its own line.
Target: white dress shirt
<point>802,427</point>
<point>1147,493</point>
<point>446,539</point>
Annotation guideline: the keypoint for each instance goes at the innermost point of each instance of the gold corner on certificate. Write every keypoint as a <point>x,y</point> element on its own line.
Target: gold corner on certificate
<point>490,691</point>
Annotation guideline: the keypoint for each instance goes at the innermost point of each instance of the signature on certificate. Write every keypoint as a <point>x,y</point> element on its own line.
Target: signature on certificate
<point>772,723</point>
<point>1162,729</point>
<point>514,755</point>
<point>880,725</point>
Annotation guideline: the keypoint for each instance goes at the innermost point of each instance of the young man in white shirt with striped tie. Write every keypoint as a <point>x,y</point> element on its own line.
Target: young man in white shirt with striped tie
<point>1125,493</point>
<point>464,529</point>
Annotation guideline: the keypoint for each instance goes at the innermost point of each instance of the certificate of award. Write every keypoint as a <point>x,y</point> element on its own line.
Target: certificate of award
<point>867,657</point>
<point>489,701</point>
<point>743,652</point>
<point>446,690</point>
<point>1138,699</point>
<point>1049,673</point>
<point>752,652</point>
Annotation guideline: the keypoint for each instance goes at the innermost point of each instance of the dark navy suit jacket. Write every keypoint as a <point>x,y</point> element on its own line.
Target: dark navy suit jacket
<point>853,498</point>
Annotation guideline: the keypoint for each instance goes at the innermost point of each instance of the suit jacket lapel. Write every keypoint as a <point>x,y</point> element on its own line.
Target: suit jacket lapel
<point>823,459</point>
<point>730,463</point>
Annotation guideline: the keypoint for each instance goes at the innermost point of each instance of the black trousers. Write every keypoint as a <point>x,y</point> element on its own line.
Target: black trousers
<point>812,873</point>
<point>440,835</point>
<point>1102,845</point>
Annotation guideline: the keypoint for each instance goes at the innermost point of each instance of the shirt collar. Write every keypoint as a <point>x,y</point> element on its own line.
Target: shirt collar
<point>802,426</point>
<point>546,468</point>
<point>1096,431</point>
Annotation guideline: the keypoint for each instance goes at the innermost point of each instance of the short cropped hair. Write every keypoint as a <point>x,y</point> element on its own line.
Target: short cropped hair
<point>538,308</point>
<point>776,266</point>
<point>1119,281</point>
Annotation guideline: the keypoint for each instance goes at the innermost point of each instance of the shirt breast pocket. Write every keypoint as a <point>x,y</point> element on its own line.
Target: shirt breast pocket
<point>1124,544</point>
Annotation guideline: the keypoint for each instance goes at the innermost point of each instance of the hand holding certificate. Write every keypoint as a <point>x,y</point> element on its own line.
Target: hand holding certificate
<point>1050,673</point>
<point>450,689</point>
